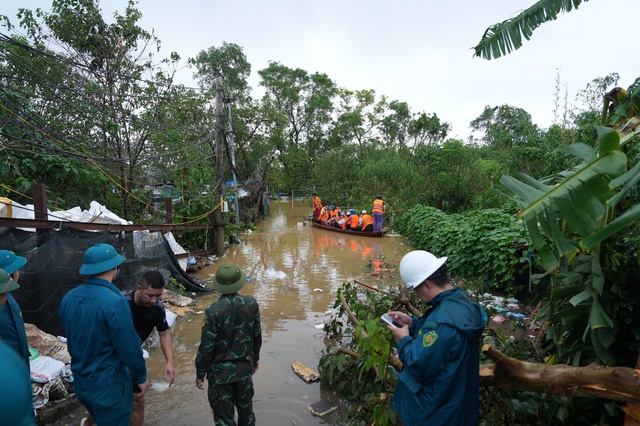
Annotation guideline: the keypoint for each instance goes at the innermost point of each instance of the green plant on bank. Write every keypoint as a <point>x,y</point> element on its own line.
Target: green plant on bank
<point>178,288</point>
<point>366,380</point>
<point>489,247</point>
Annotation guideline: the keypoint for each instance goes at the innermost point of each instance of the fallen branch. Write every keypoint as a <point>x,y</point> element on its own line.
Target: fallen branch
<point>617,383</point>
<point>349,352</point>
<point>371,287</point>
<point>404,301</point>
<point>347,309</point>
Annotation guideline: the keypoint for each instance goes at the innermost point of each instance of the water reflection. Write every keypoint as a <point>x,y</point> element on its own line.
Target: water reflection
<point>316,262</point>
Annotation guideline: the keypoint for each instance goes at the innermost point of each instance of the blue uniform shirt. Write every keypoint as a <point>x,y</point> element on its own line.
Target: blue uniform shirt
<point>15,389</point>
<point>12,330</point>
<point>104,346</point>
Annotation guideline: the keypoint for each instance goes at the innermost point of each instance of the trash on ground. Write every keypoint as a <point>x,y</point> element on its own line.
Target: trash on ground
<point>272,273</point>
<point>498,319</point>
<point>322,407</point>
<point>304,372</point>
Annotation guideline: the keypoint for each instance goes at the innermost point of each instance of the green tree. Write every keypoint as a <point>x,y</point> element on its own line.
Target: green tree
<point>299,107</point>
<point>510,137</point>
<point>229,63</point>
<point>395,125</point>
<point>358,116</point>
<point>113,92</point>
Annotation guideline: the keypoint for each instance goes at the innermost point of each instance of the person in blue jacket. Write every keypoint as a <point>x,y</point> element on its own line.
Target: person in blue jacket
<point>440,351</point>
<point>12,330</point>
<point>104,346</point>
<point>15,382</point>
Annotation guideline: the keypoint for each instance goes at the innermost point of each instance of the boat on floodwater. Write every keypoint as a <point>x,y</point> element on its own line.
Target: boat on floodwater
<point>377,234</point>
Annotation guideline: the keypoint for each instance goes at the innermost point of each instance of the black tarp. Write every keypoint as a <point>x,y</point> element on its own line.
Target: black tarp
<point>52,268</point>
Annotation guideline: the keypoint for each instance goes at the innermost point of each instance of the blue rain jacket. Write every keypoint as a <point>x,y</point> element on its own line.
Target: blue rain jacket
<point>15,389</point>
<point>438,384</point>
<point>104,346</point>
<point>12,330</point>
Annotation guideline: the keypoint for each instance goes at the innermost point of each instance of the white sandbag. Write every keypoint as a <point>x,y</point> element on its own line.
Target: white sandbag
<point>171,318</point>
<point>44,369</point>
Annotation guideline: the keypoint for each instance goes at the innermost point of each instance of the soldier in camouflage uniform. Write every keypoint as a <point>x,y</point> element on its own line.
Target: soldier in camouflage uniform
<point>230,349</point>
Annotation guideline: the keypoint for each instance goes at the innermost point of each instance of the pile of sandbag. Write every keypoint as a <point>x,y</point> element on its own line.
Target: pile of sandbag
<point>49,365</point>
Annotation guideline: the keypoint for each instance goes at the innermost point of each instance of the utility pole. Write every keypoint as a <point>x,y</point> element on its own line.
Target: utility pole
<point>233,168</point>
<point>219,169</point>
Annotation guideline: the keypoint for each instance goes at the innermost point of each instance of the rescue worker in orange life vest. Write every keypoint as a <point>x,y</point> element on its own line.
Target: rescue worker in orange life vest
<point>324,214</point>
<point>378,210</point>
<point>342,221</point>
<point>355,220</point>
<point>316,203</point>
<point>333,215</point>
<point>367,222</point>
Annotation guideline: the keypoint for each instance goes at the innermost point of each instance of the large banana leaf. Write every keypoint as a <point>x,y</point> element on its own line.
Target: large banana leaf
<point>612,228</point>
<point>501,39</point>
<point>581,199</point>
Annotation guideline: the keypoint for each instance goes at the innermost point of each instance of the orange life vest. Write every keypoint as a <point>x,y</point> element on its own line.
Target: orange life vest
<point>316,201</point>
<point>378,206</point>
<point>324,215</point>
<point>366,220</point>
<point>355,221</point>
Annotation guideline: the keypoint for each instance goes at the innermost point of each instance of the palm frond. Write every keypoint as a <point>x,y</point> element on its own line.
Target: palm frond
<point>505,37</point>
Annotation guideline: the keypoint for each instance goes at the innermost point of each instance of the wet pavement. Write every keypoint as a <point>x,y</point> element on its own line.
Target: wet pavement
<point>294,271</point>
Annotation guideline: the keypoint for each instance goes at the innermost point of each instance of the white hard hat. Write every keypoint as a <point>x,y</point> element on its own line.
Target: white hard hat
<point>364,212</point>
<point>418,265</point>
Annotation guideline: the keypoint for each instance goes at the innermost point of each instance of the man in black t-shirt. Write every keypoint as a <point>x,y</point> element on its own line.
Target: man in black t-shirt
<point>148,312</point>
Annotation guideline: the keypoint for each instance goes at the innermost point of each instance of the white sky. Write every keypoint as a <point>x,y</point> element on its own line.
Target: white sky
<point>416,51</point>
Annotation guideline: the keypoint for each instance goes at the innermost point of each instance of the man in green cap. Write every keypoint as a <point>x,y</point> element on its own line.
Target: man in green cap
<point>104,346</point>
<point>230,349</point>
<point>12,330</point>
<point>15,383</point>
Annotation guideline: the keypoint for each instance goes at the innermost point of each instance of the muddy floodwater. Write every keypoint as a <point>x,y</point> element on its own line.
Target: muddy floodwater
<point>293,271</point>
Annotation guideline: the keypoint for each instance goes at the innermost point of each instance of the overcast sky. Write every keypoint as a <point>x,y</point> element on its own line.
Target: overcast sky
<point>416,51</point>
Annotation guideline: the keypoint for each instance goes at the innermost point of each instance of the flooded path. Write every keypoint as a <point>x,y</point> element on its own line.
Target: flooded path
<point>316,263</point>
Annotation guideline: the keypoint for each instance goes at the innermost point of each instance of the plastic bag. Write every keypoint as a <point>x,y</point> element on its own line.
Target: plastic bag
<point>44,369</point>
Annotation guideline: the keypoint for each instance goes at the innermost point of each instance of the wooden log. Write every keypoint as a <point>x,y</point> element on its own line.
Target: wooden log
<point>617,383</point>
<point>371,287</point>
<point>632,411</point>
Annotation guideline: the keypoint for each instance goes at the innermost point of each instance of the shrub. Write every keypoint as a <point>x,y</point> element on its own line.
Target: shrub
<point>489,247</point>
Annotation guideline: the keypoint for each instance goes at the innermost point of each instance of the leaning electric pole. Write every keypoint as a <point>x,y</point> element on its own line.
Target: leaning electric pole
<point>220,130</point>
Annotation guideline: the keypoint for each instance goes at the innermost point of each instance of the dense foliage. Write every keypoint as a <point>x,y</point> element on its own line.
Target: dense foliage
<point>489,247</point>
<point>110,114</point>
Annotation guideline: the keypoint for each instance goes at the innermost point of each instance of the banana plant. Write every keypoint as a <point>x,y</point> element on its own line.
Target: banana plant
<point>573,220</point>
<point>504,37</point>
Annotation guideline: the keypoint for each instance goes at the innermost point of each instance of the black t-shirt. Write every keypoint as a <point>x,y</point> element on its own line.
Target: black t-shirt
<point>144,319</point>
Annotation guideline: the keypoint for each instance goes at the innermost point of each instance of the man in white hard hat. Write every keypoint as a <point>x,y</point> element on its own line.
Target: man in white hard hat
<point>440,351</point>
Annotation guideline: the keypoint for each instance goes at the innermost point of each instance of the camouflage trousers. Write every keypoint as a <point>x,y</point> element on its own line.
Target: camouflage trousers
<point>223,398</point>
